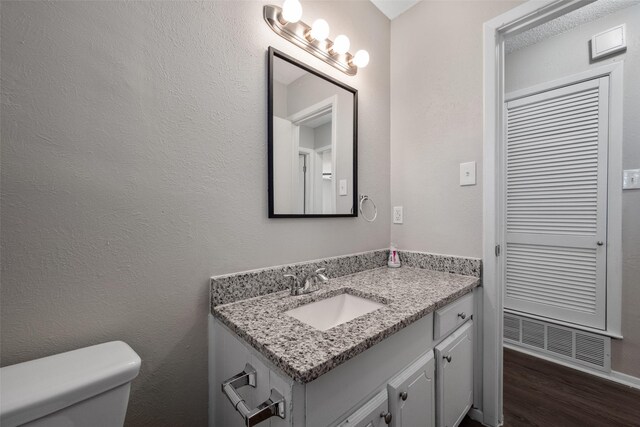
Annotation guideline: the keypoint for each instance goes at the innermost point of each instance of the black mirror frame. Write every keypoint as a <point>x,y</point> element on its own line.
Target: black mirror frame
<point>276,53</point>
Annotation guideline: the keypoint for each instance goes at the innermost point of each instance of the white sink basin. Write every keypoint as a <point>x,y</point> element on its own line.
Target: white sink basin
<point>334,311</point>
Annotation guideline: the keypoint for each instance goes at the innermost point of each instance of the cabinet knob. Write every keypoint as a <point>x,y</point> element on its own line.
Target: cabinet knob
<point>447,358</point>
<point>387,417</point>
<point>600,243</point>
<point>462,315</point>
<point>404,395</point>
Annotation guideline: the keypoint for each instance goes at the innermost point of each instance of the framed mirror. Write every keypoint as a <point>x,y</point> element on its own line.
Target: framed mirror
<point>313,132</point>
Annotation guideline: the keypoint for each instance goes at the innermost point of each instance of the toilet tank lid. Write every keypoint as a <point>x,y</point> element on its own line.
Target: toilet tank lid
<point>33,389</point>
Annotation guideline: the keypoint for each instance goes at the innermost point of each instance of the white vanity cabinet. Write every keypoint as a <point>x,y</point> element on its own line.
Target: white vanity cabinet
<point>412,395</point>
<point>371,414</point>
<point>454,376</point>
<point>421,376</point>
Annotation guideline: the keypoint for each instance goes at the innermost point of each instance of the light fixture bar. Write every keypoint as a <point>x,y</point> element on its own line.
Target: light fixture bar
<point>297,33</point>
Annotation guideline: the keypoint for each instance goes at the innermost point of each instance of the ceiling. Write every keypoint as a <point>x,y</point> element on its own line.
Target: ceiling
<point>394,8</point>
<point>566,22</point>
<point>285,72</point>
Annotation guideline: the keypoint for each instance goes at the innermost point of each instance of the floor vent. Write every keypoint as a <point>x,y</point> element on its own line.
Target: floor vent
<point>564,343</point>
<point>532,333</point>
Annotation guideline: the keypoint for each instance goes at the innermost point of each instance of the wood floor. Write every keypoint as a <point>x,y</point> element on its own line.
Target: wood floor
<point>544,394</point>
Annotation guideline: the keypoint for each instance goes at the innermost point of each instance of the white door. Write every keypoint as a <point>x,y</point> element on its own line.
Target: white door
<point>556,180</point>
<point>412,395</point>
<point>328,186</point>
<point>454,377</point>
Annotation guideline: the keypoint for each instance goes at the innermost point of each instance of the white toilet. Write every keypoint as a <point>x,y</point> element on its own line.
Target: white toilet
<point>85,387</point>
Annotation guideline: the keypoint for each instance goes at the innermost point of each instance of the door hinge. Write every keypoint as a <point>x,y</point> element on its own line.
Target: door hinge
<point>497,250</point>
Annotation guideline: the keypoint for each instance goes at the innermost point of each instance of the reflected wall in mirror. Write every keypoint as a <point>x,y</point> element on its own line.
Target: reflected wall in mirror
<point>312,142</point>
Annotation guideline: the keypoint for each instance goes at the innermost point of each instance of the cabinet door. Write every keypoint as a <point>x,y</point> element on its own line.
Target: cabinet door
<point>411,395</point>
<point>454,377</point>
<point>371,414</point>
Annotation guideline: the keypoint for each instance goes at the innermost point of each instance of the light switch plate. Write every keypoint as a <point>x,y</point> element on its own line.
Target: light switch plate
<point>468,173</point>
<point>631,179</point>
<point>343,187</point>
<point>397,214</point>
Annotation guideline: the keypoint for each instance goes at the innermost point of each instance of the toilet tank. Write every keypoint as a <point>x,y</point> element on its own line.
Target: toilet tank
<point>85,387</point>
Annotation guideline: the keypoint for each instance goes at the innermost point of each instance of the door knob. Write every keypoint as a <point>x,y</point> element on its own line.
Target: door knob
<point>404,395</point>
<point>387,417</point>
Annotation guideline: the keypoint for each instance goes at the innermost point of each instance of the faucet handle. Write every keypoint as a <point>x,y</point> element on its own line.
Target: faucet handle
<point>295,283</point>
<point>319,275</point>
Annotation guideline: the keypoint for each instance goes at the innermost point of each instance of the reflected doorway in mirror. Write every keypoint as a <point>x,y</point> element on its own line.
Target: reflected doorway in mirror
<point>312,142</point>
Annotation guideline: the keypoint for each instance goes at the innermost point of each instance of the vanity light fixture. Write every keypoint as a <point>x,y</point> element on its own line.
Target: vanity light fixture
<point>341,44</point>
<point>361,59</point>
<point>291,11</point>
<point>286,22</point>
<point>319,30</point>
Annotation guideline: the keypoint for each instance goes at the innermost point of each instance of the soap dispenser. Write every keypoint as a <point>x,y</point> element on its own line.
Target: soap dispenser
<point>394,257</point>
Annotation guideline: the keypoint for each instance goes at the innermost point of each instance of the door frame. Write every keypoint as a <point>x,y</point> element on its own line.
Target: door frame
<point>309,190</point>
<point>512,22</point>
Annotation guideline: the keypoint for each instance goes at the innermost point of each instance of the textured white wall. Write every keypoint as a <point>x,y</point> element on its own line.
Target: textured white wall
<point>436,124</point>
<point>134,168</point>
<point>567,54</point>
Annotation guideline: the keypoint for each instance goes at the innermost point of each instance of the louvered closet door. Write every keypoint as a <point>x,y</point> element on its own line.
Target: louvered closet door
<point>556,168</point>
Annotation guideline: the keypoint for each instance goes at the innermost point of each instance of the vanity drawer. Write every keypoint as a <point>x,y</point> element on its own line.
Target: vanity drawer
<point>449,317</point>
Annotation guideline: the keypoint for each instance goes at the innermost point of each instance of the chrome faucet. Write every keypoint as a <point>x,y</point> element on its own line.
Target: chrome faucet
<point>311,282</point>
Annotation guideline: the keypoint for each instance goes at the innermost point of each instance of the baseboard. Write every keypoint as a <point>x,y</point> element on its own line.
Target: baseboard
<point>625,379</point>
<point>617,377</point>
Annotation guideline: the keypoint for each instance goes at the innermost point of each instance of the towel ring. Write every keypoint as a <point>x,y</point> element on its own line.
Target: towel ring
<point>363,198</point>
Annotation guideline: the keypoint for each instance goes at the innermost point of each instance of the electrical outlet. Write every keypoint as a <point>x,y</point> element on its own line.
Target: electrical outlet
<point>631,179</point>
<point>397,214</point>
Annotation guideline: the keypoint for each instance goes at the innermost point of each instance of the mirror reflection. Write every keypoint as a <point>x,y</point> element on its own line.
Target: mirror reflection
<point>312,142</point>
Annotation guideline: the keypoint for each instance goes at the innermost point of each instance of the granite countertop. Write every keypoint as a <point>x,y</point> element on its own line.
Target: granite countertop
<point>305,353</point>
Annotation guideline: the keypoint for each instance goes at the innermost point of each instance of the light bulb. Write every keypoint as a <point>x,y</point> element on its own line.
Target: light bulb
<point>320,30</point>
<point>291,10</point>
<point>361,59</point>
<point>341,44</point>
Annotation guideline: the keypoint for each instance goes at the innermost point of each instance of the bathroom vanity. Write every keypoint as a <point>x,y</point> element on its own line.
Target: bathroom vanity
<point>408,361</point>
